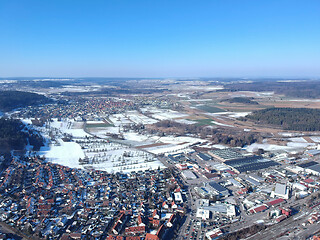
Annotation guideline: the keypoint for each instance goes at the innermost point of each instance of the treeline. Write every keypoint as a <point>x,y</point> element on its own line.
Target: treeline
<point>14,135</point>
<point>244,100</point>
<point>307,89</point>
<point>298,119</point>
<point>10,100</point>
<point>216,135</point>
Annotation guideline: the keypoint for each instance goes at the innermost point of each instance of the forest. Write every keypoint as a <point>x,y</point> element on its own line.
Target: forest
<point>216,135</point>
<point>244,100</point>
<point>10,100</point>
<point>298,119</point>
<point>14,135</point>
<point>303,89</point>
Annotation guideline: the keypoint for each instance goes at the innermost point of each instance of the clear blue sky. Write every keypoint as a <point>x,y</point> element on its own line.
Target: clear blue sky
<point>159,38</point>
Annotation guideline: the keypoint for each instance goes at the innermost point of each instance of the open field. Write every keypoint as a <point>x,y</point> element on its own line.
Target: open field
<point>209,110</point>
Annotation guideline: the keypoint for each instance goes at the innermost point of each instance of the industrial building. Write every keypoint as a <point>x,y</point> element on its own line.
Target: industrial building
<point>188,174</point>
<point>204,157</point>
<point>252,163</point>
<point>219,189</point>
<point>311,167</point>
<point>203,214</point>
<point>222,208</point>
<point>280,191</point>
<point>225,154</point>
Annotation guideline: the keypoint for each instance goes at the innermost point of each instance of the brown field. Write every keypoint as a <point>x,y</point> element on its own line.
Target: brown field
<point>264,100</point>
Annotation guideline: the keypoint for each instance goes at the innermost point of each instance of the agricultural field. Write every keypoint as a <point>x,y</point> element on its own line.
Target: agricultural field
<point>88,152</point>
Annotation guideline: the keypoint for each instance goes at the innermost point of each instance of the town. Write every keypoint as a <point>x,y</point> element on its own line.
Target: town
<point>124,167</point>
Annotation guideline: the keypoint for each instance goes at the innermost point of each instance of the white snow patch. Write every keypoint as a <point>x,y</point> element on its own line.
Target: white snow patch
<point>221,124</point>
<point>298,140</point>
<point>315,139</point>
<point>229,114</point>
<point>67,154</point>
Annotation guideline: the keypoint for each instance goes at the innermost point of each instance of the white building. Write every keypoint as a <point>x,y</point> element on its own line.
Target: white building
<point>203,214</point>
<point>187,174</point>
<point>178,197</point>
<point>299,186</point>
<point>222,208</point>
<point>280,191</point>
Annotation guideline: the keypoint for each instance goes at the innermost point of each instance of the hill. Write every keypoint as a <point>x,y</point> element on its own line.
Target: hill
<point>10,100</point>
<point>14,135</point>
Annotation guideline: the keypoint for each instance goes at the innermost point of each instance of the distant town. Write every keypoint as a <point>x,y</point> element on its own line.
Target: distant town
<point>155,159</point>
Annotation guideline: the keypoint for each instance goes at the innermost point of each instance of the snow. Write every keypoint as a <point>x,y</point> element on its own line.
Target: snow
<point>130,117</point>
<point>219,146</point>
<point>299,144</point>
<point>115,157</point>
<point>111,130</point>
<point>185,121</point>
<point>178,140</point>
<point>229,114</point>
<point>267,147</point>
<point>164,114</point>
<point>26,121</point>
<point>167,149</point>
<point>69,126</point>
<point>298,139</point>
<point>119,119</point>
<point>174,144</point>
<point>67,154</point>
<point>169,115</point>
<point>304,100</point>
<point>137,118</point>
<point>135,137</point>
<point>287,134</point>
<point>315,139</point>
<point>221,124</point>
<point>95,122</point>
<point>99,154</point>
<point>291,146</point>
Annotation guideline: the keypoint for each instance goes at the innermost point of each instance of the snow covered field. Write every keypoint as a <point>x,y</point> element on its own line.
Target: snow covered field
<point>296,144</point>
<point>185,121</point>
<point>100,155</point>
<point>114,157</point>
<point>69,126</point>
<point>315,139</point>
<point>221,124</point>
<point>229,114</point>
<point>173,144</point>
<point>66,153</point>
<point>267,147</point>
<point>129,117</point>
<point>137,118</point>
<point>84,151</point>
<point>163,114</point>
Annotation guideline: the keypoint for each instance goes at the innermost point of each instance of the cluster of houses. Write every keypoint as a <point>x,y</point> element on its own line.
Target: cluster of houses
<point>47,200</point>
<point>78,108</point>
<point>90,108</point>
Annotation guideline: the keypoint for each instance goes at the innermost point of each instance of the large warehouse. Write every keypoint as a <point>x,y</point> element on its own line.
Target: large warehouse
<point>251,163</point>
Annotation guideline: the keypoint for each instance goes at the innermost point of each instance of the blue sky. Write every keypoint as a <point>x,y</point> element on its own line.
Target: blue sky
<point>165,38</point>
